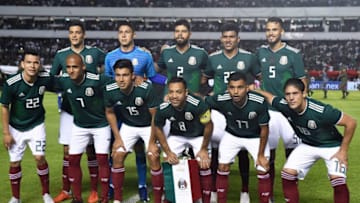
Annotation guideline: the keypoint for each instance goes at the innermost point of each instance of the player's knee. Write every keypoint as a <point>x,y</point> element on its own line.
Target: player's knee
<point>224,167</point>
<point>40,160</point>
<point>290,171</point>
<point>15,164</point>
<point>118,159</point>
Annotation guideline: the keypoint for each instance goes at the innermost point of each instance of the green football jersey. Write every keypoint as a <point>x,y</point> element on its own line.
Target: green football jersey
<point>132,108</point>
<point>315,125</point>
<point>185,122</point>
<point>244,121</point>
<point>277,67</point>
<point>26,100</point>
<point>188,65</point>
<point>86,100</point>
<point>93,58</point>
<point>219,67</point>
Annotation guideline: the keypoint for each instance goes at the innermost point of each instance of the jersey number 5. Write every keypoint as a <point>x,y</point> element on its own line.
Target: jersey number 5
<point>272,72</point>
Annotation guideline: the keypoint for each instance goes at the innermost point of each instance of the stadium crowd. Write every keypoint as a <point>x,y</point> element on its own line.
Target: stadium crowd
<point>184,3</point>
<point>199,24</point>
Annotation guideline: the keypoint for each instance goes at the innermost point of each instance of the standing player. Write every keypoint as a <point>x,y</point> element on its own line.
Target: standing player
<point>343,77</point>
<point>220,65</point>
<point>315,123</point>
<point>143,68</point>
<point>85,93</point>
<point>247,119</point>
<point>279,62</point>
<point>136,106</point>
<point>190,124</point>
<point>94,59</point>
<point>184,60</point>
<point>23,118</point>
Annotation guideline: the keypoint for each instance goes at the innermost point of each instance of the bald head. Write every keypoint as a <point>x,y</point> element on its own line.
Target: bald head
<point>75,67</point>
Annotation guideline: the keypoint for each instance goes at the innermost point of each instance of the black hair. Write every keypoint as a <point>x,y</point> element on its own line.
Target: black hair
<point>296,82</point>
<point>177,80</point>
<point>183,22</point>
<point>230,27</point>
<point>77,23</point>
<point>29,52</point>
<point>275,20</point>
<point>126,23</point>
<point>237,76</point>
<point>124,63</point>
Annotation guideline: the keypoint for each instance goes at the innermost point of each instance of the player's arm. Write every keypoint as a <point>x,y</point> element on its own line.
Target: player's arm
<point>153,148</point>
<point>261,159</point>
<point>203,155</point>
<point>111,118</point>
<point>349,124</point>
<point>7,137</point>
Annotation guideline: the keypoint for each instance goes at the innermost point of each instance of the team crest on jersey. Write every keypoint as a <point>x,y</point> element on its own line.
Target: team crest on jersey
<point>89,92</point>
<point>192,60</point>
<point>139,101</point>
<point>89,59</point>
<point>252,115</point>
<point>182,184</point>
<point>135,62</point>
<point>240,65</point>
<point>41,90</point>
<point>283,60</point>
<point>312,124</point>
<point>188,116</point>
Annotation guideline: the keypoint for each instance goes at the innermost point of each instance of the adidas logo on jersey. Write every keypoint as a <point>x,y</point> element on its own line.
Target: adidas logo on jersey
<point>219,67</point>
<point>69,91</point>
<point>21,94</point>
<point>172,118</point>
<point>118,103</point>
<point>263,60</point>
<point>171,60</point>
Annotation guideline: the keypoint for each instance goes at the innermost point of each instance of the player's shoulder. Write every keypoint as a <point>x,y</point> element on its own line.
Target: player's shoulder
<point>96,49</point>
<point>256,97</point>
<point>263,47</point>
<point>44,74</point>
<point>169,49</point>
<point>111,86</point>
<point>144,85</point>
<point>222,97</point>
<point>165,105</point>
<point>193,100</point>
<point>316,106</point>
<point>292,49</point>
<point>216,53</point>
<point>92,76</point>
<point>63,51</point>
<point>243,51</point>
<point>197,48</point>
<point>14,79</point>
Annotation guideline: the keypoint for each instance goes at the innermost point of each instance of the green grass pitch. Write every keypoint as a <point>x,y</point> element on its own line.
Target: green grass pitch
<point>315,187</point>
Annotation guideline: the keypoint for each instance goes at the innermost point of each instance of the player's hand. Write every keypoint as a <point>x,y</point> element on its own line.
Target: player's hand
<point>139,80</point>
<point>172,158</point>
<point>166,98</point>
<point>8,141</point>
<point>203,159</point>
<point>118,144</point>
<point>153,150</point>
<point>263,163</point>
<point>342,156</point>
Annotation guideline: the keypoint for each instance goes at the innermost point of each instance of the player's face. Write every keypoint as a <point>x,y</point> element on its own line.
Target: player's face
<point>177,94</point>
<point>76,36</point>
<point>181,35</point>
<point>124,78</point>
<point>31,65</point>
<point>75,68</point>
<point>273,32</point>
<point>295,98</point>
<point>229,40</point>
<point>126,36</point>
<point>238,90</point>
